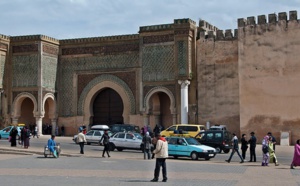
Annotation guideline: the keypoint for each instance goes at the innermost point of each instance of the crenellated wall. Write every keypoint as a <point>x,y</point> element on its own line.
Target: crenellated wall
<point>269,74</point>
<point>218,83</point>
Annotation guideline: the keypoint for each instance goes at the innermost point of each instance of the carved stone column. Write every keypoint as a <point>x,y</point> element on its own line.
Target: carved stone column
<point>184,100</point>
<point>53,123</point>
<point>38,121</point>
<point>146,119</point>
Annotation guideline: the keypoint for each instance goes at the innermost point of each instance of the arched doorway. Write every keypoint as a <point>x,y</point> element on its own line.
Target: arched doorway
<point>26,112</point>
<point>108,107</point>
<point>160,108</point>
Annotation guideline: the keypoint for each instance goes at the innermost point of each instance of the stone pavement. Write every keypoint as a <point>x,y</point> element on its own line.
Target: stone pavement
<point>214,172</point>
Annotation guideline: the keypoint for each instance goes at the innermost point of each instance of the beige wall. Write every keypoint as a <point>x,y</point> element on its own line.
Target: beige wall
<point>218,83</point>
<point>269,65</point>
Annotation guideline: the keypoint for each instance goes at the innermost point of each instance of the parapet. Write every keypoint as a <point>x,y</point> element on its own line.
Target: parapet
<point>220,34</point>
<point>272,19</point>
<point>203,25</point>
<point>100,39</point>
<point>4,37</point>
<point>34,38</point>
<point>152,28</point>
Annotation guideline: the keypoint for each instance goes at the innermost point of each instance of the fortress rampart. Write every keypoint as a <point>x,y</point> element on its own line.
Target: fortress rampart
<point>251,25</point>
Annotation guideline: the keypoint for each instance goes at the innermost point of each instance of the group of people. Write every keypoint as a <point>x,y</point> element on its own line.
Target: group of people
<point>268,150</point>
<point>24,138</point>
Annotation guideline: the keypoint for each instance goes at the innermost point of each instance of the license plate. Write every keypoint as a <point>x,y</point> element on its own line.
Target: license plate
<point>211,155</point>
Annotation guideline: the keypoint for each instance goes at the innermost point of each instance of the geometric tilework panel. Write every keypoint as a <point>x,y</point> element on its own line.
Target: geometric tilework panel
<point>49,68</point>
<point>25,70</point>
<point>182,57</point>
<point>158,63</point>
<point>2,65</point>
<point>99,79</point>
<point>69,66</point>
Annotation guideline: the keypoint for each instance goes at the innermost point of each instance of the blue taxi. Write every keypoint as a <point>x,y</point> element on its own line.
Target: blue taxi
<point>189,147</point>
<point>4,133</point>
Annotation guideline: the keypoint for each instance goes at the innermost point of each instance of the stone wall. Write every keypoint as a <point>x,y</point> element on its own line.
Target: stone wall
<point>269,75</point>
<point>218,83</point>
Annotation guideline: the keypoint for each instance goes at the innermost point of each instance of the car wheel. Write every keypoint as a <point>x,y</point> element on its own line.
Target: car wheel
<point>142,148</point>
<point>112,147</point>
<point>194,156</point>
<point>119,149</point>
<point>175,157</point>
<point>45,155</point>
<point>0,136</point>
<point>226,150</point>
<point>88,143</point>
<point>218,149</point>
<point>207,158</point>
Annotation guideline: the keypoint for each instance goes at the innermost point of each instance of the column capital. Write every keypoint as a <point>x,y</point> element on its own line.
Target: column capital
<point>183,83</point>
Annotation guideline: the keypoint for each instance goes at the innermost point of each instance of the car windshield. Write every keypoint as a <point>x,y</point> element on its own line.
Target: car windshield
<point>192,141</point>
<point>137,135</point>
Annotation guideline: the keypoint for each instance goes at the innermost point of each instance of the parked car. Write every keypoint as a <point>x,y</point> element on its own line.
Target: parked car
<point>92,136</point>
<point>4,133</point>
<point>126,140</point>
<point>100,127</point>
<point>218,139</point>
<point>218,127</point>
<point>190,129</point>
<point>189,147</point>
<point>124,128</point>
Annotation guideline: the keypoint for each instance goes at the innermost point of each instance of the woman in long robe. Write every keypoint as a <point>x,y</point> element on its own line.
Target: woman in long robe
<point>266,155</point>
<point>273,158</point>
<point>296,159</point>
<point>13,137</point>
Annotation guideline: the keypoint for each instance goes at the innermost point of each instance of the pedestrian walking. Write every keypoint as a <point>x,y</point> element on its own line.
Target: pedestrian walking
<point>296,158</point>
<point>265,150</point>
<point>273,158</point>
<point>161,153</point>
<point>26,137</point>
<point>235,148</point>
<point>147,146</point>
<point>273,140</point>
<point>13,137</point>
<point>62,129</point>
<point>252,143</point>
<point>35,133</point>
<point>244,145</point>
<point>105,141</point>
<point>81,140</point>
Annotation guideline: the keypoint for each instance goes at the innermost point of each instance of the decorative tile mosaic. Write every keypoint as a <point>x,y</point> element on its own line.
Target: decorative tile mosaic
<point>182,57</point>
<point>158,63</point>
<point>2,66</point>
<point>25,70</point>
<point>49,68</point>
<point>69,66</point>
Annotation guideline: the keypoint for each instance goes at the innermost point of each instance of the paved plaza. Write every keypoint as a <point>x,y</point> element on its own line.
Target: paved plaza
<point>19,165</point>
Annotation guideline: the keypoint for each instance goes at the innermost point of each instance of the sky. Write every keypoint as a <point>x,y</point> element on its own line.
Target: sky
<point>66,19</point>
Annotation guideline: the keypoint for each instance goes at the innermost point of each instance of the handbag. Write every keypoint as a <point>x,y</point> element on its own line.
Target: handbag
<point>9,138</point>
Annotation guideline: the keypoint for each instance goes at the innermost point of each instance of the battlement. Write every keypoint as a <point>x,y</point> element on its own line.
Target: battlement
<point>99,39</point>
<point>34,38</point>
<point>203,25</point>
<point>156,28</point>
<point>184,21</point>
<point>4,37</point>
<point>272,19</point>
<point>219,34</point>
